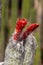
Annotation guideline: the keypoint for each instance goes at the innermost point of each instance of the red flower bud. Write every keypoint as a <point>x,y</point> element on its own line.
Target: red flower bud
<point>19,26</point>
<point>29,30</point>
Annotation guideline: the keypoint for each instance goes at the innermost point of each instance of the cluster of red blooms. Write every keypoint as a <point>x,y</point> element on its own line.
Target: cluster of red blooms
<point>21,23</point>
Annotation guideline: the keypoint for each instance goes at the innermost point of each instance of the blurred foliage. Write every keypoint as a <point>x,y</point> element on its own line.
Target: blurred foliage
<point>28,10</point>
<point>32,15</point>
<point>39,0</point>
<point>37,56</point>
<point>14,14</point>
<point>25,9</point>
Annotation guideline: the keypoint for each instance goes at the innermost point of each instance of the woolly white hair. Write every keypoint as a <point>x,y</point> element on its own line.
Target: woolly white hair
<point>32,45</point>
<point>13,53</point>
<point>1,63</point>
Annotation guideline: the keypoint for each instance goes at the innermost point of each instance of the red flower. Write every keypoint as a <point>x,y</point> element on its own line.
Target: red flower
<point>32,27</point>
<point>21,24</point>
<point>29,30</point>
